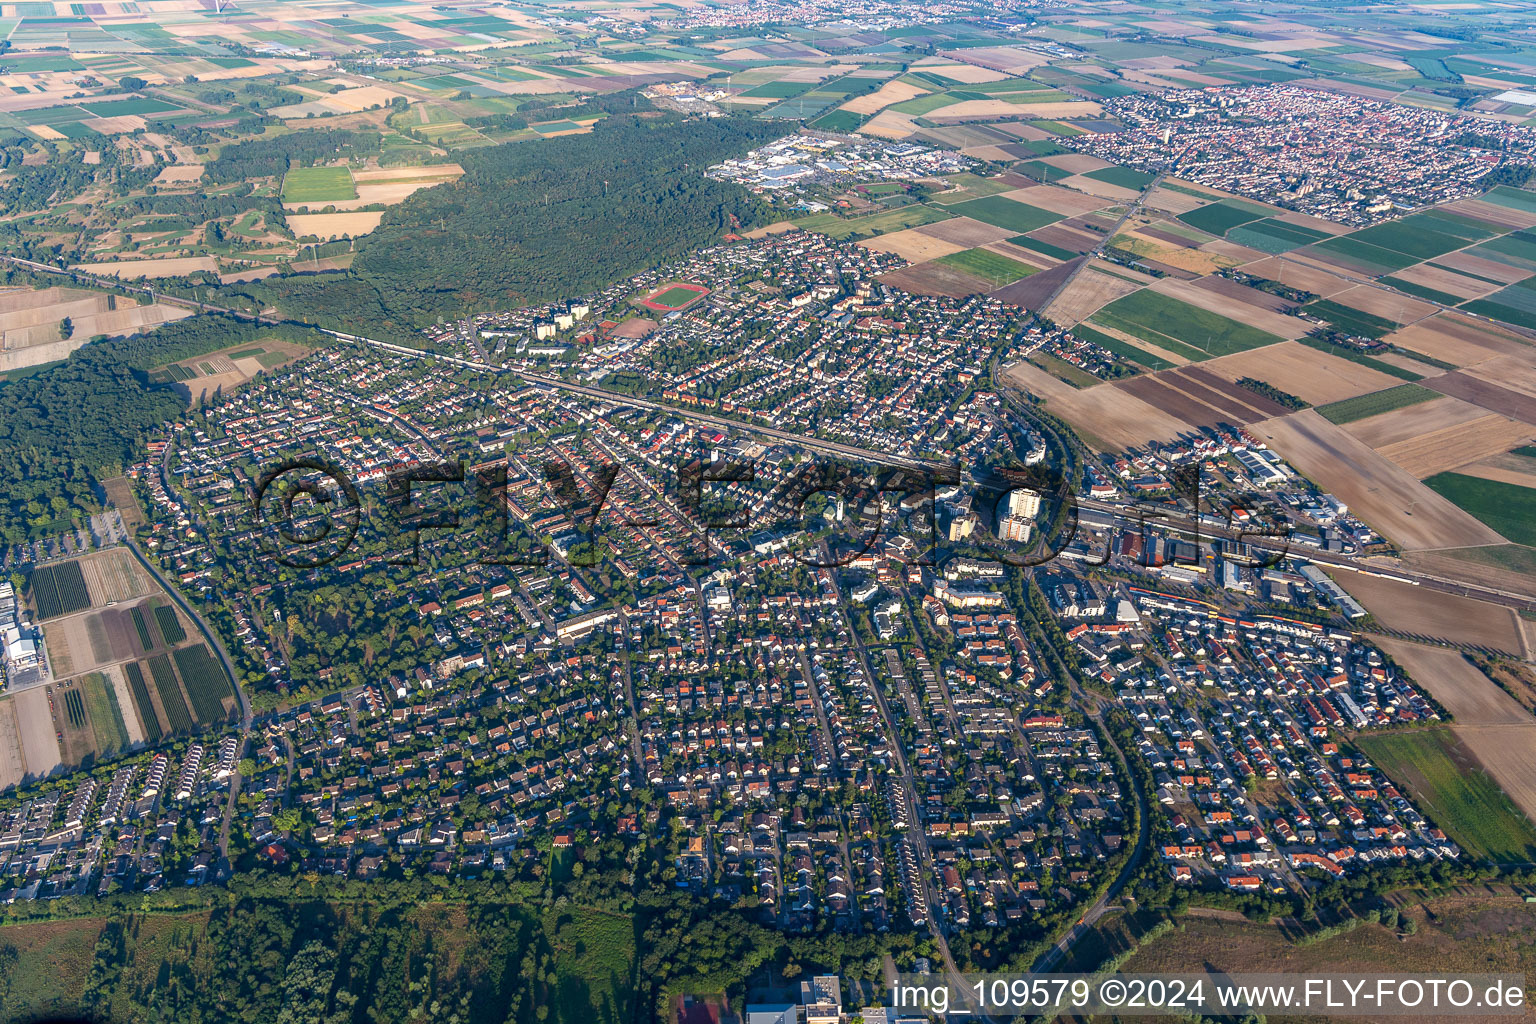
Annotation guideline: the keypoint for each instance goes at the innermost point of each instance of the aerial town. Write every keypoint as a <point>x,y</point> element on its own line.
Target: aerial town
<point>762,512</point>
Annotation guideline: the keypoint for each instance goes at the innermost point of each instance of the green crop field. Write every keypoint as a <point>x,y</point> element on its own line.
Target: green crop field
<point>106,717</point>
<point>838,121</point>
<point>117,108</point>
<point>779,90</point>
<point>1191,326</point>
<point>318,185</point>
<point>1351,320</point>
<point>170,626</point>
<point>1125,177</point>
<point>141,627</point>
<point>1361,406</point>
<point>1373,258</point>
<point>205,682</point>
<point>178,718</point>
<point>141,701</point>
<point>881,223</point>
<point>1508,509</point>
<point>989,266</point>
<point>1219,218</point>
<point>1025,242</point>
<point>1005,213</point>
<point>1449,786</point>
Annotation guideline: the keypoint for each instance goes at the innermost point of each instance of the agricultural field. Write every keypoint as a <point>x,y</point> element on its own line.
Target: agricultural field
<point>993,268</point>
<point>318,185</point>
<point>1375,403</point>
<point>1017,217</point>
<point>178,718</point>
<point>1182,328</point>
<point>58,590</point>
<point>1506,507</point>
<point>1446,780</point>
<point>205,683</point>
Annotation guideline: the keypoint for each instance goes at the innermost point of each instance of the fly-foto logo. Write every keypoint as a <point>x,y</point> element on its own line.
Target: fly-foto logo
<point>310,512</point>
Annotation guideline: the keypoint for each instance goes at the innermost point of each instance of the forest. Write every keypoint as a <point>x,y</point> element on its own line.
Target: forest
<point>263,157</point>
<point>65,428</point>
<point>533,223</point>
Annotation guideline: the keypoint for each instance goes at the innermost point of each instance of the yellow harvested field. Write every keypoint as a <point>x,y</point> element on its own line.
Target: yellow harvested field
<point>1296,275</point>
<point>1469,695</point>
<point>1168,201</point>
<point>1387,497</point>
<point>1395,306</point>
<point>1057,199</point>
<point>1013,59</point>
<point>174,266</point>
<point>39,745</point>
<point>1434,613</point>
<point>1504,751</point>
<point>1493,213</point>
<point>967,73</point>
<point>1240,255</point>
<point>1089,290</point>
<point>118,125</point>
<point>1398,425</point>
<point>776,228</point>
<point>1436,451</point>
<point>1312,376</point>
<point>13,767</point>
<point>890,92</point>
<point>1491,269</point>
<point>1102,189</point>
<point>1453,339</point>
<point>1145,346</point>
<point>1503,472</point>
<point>334,225</point>
<point>1517,372</point>
<point>890,124</point>
<point>1303,220</point>
<point>179,174</point>
<point>964,231</point>
<point>29,322</point>
<point>912,245</point>
<point>1109,418</point>
<point>1002,108</point>
<point>1448,281</point>
<point>1196,261</point>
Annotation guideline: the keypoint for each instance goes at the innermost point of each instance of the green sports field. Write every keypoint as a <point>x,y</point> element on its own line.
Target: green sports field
<point>318,185</point>
<point>677,296</point>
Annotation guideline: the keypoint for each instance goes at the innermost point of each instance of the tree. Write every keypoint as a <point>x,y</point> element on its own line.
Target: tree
<point>66,328</point>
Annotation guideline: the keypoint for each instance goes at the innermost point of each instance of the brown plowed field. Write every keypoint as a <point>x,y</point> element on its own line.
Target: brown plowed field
<point>1383,494</point>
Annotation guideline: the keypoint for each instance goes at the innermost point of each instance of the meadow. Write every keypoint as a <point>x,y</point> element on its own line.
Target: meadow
<point>1508,508</point>
<point>1454,792</point>
<point>318,185</point>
